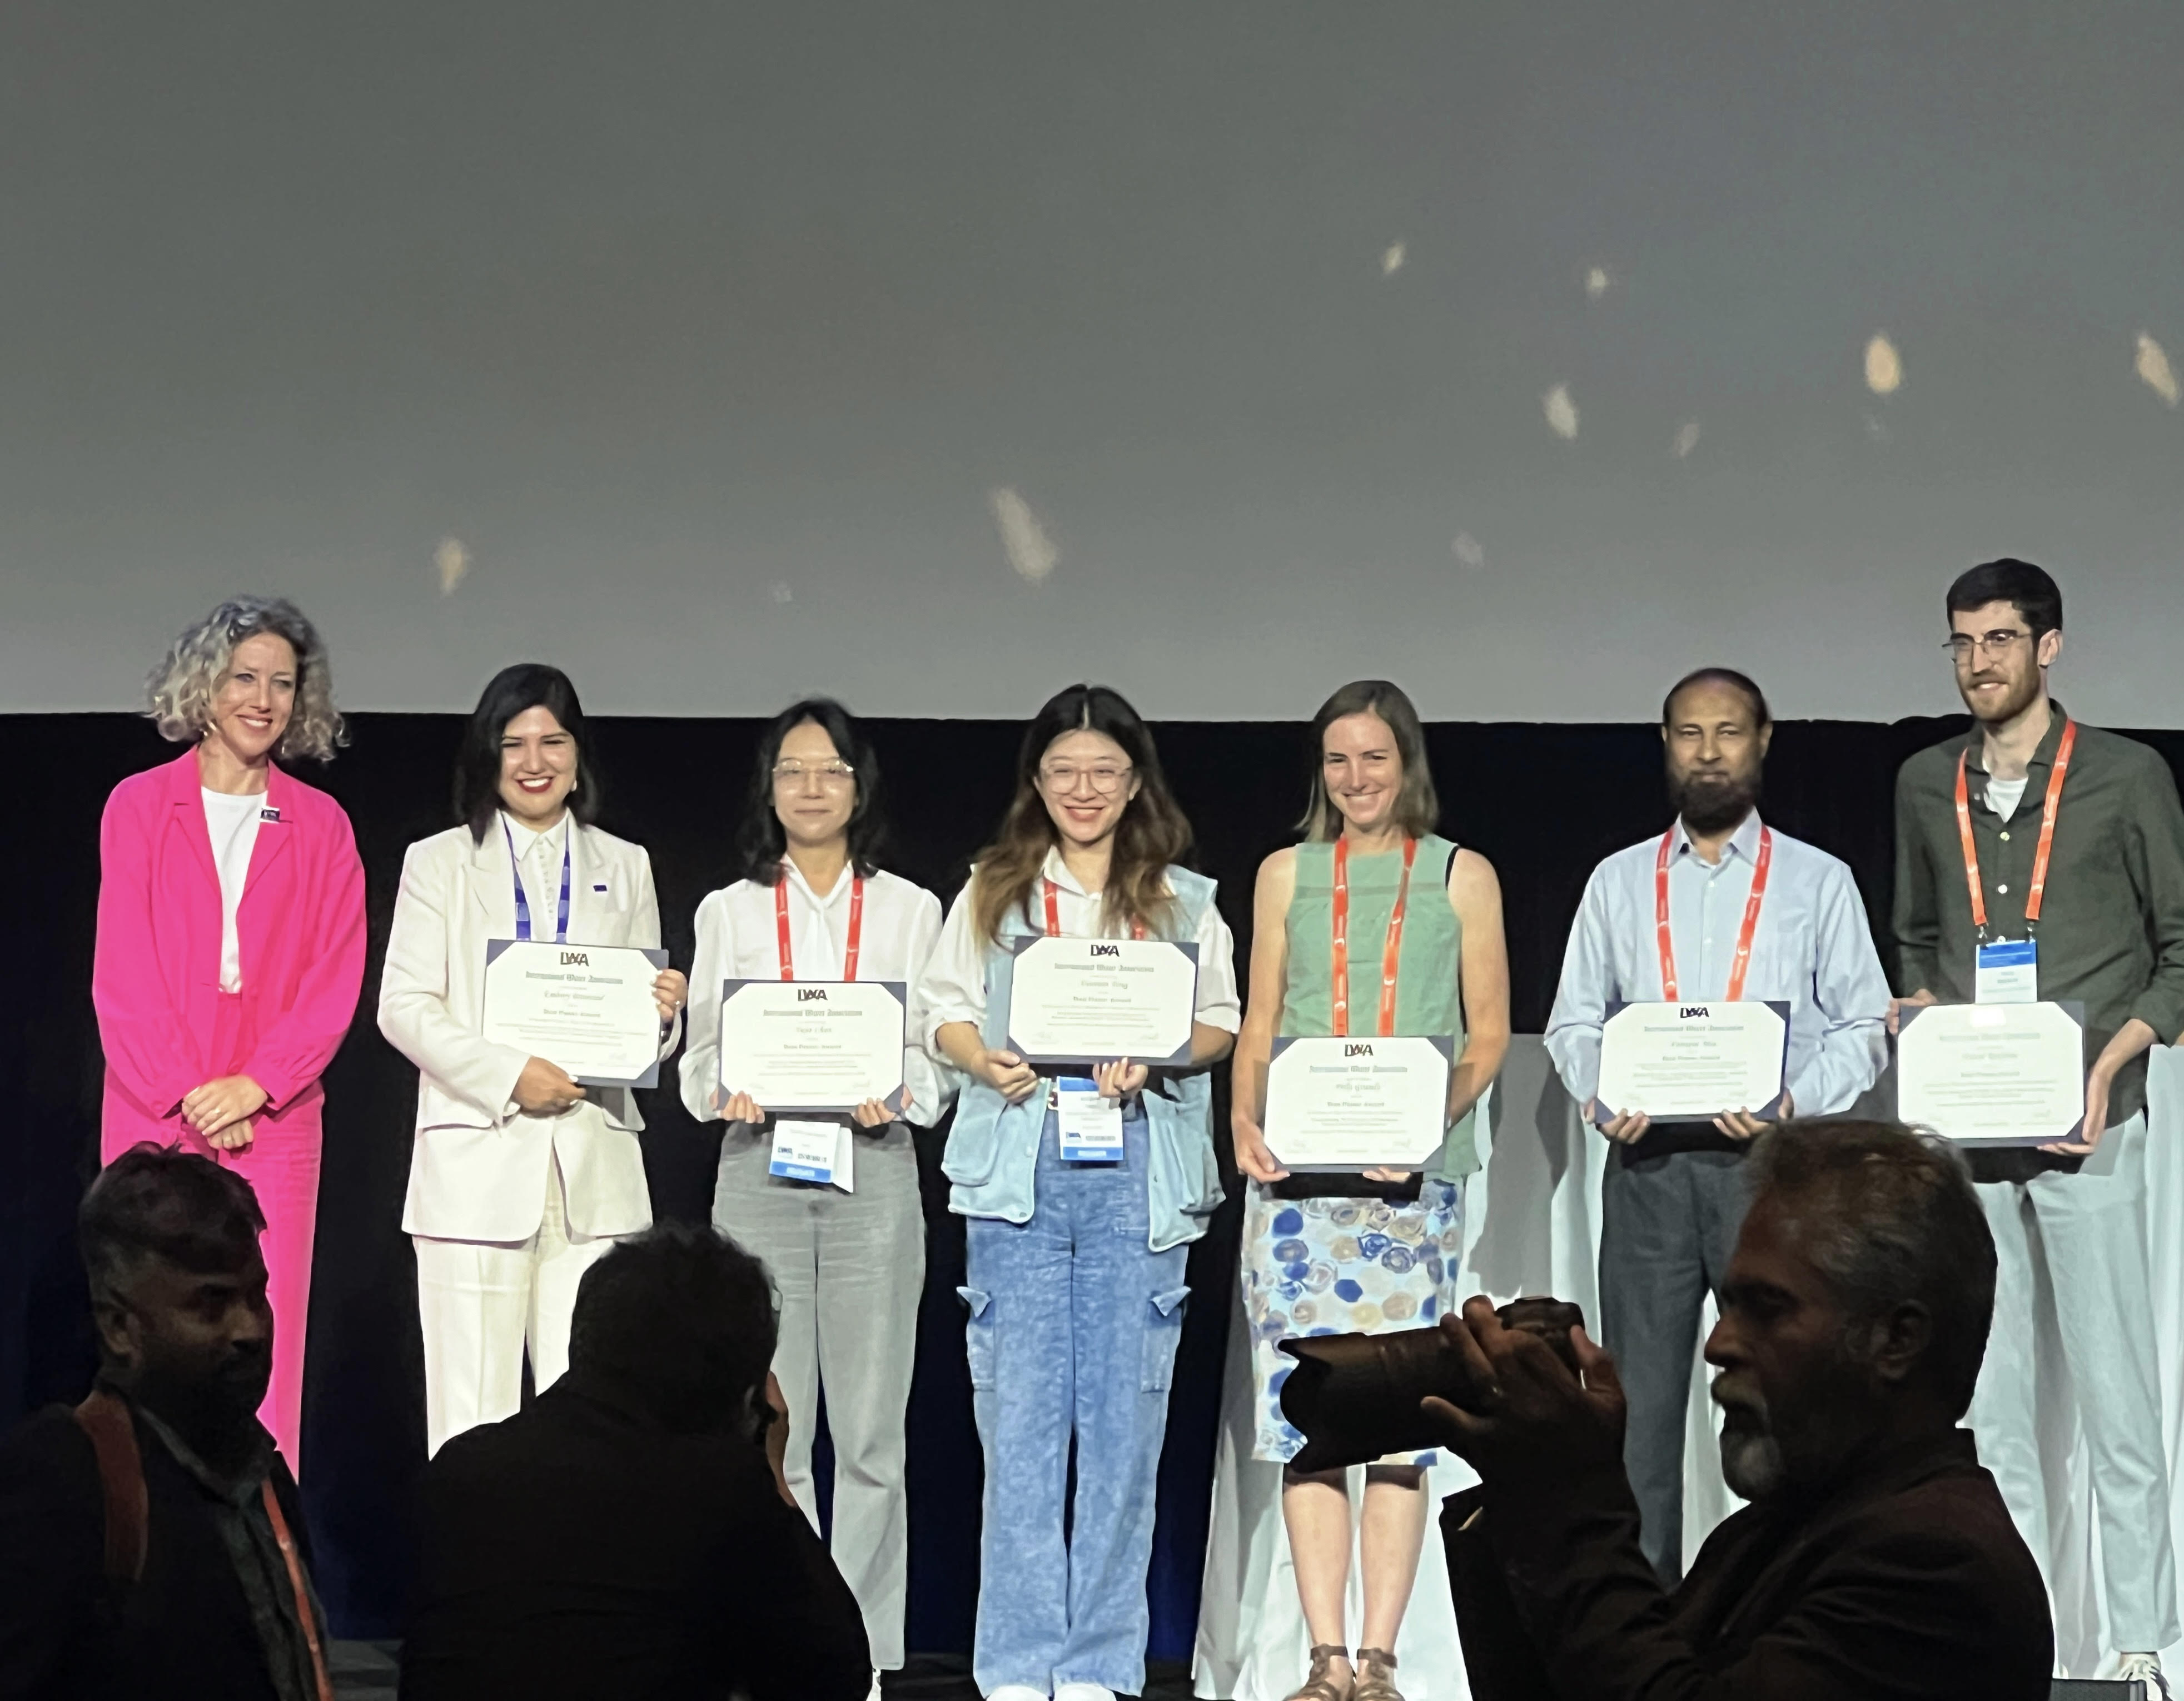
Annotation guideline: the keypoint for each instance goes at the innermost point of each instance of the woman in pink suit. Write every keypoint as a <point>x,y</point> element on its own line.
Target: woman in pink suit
<point>231,938</point>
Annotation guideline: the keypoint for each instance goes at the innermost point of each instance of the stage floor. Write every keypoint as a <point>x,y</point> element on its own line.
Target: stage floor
<point>365,1672</point>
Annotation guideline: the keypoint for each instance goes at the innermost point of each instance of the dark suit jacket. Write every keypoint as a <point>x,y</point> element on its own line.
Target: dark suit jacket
<point>182,1632</point>
<point>580,1550</point>
<point>1905,1579</point>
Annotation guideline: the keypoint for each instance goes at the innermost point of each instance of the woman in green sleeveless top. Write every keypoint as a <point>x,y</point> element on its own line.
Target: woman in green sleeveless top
<point>1325,1254</point>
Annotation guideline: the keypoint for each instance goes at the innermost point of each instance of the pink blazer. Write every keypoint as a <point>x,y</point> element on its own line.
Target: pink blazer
<point>155,970</point>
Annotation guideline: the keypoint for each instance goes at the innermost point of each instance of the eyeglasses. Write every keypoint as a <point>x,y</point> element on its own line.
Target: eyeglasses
<point>1062,777</point>
<point>832,775</point>
<point>1995,643</point>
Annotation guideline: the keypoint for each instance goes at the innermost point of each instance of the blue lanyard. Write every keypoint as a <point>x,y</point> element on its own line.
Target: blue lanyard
<point>523,904</point>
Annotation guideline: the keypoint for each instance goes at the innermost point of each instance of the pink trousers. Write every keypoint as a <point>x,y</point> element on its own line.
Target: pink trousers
<point>281,1165</point>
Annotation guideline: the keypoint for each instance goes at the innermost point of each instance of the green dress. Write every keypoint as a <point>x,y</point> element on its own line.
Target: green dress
<point>1327,1265</point>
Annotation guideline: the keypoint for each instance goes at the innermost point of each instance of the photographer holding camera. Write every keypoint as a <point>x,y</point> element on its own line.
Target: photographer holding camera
<point>1876,1559</point>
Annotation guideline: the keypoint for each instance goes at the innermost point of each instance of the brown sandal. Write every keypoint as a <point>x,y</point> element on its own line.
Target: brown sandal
<point>1323,1684</point>
<point>1374,1682</point>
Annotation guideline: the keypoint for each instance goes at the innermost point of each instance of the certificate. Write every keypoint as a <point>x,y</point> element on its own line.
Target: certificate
<point>587,1008</point>
<point>797,1045</point>
<point>1691,1062</point>
<point>1357,1103</point>
<point>1090,1001</point>
<point>1993,1074</point>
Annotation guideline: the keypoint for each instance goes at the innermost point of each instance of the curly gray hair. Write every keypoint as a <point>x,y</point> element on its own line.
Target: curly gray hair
<point>179,689</point>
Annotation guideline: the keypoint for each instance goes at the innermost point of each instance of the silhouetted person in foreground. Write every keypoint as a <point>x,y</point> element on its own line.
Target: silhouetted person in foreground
<point>150,1545</point>
<point>627,1535</point>
<point>1876,1559</point>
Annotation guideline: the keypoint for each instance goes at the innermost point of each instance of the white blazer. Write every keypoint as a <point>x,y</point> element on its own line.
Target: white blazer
<point>480,1166</point>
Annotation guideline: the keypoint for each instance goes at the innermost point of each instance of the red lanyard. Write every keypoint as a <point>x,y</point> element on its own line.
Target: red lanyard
<point>2046,833</point>
<point>305,1616</point>
<point>1743,958</point>
<point>857,927</point>
<point>1054,915</point>
<point>1389,953</point>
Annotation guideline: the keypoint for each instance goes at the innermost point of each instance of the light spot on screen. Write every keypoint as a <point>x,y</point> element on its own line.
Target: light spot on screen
<point>1596,281</point>
<point>2155,371</point>
<point>1391,261</point>
<point>1876,428</point>
<point>1687,439</point>
<point>1561,410</point>
<point>1031,552</point>
<point>1884,367</point>
<point>781,592</point>
<point>1468,552</point>
<point>452,561</point>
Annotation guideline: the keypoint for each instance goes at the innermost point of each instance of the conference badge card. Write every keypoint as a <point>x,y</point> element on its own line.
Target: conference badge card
<point>1357,1103</point>
<point>586,1009</point>
<point>1079,1000</point>
<point>1691,1062</point>
<point>807,1045</point>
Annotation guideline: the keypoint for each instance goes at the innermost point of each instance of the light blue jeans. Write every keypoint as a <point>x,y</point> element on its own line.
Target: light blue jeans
<point>1073,1325</point>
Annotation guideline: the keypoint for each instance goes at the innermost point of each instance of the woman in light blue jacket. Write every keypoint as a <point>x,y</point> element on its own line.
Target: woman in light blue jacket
<point>1075,1249</point>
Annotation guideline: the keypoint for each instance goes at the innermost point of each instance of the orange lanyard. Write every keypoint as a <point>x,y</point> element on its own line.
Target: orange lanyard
<point>1390,953</point>
<point>857,927</point>
<point>2047,834</point>
<point>1742,961</point>
<point>305,1616</point>
<point>1054,914</point>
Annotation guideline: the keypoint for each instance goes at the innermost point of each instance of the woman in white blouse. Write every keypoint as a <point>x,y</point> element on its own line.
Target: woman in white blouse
<point>847,1256</point>
<point>1075,1280</point>
<point>519,1179</point>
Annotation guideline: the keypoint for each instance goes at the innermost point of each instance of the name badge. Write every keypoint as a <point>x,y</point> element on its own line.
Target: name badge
<point>1090,1126</point>
<point>2006,971</point>
<point>819,1152</point>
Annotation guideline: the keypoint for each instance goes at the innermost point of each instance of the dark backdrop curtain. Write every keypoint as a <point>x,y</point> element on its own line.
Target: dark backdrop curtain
<point>1545,803</point>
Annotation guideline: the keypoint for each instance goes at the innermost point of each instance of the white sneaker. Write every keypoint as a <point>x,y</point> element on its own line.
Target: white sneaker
<point>1082,1691</point>
<point>1017,1692</point>
<point>2145,1669</point>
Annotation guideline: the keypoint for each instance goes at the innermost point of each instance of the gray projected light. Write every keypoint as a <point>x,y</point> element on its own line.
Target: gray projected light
<point>937,354</point>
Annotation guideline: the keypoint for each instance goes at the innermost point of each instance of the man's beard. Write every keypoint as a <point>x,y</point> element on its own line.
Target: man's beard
<point>1751,1457</point>
<point>216,1413</point>
<point>1714,800</point>
<point>2013,702</point>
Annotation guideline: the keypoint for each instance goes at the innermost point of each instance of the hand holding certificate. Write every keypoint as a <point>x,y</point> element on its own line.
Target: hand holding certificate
<point>1344,1104</point>
<point>589,1009</point>
<point>809,1046</point>
<point>1692,1062</point>
<point>1076,1001</point>
<point>1992,1075</point>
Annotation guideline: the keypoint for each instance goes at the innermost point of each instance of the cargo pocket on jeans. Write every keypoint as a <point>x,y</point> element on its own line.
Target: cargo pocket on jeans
<point>1163,1329</point>
<point>979,1335</point>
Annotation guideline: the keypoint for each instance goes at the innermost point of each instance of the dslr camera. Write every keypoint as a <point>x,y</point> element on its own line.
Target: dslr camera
<point>1355,1397</point>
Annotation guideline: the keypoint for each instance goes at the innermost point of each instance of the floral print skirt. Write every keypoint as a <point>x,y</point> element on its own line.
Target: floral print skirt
<point>1332,1265</point>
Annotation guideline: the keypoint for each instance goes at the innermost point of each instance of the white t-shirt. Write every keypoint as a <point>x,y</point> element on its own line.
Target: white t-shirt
<point>955,986</point>
<point>232,820</point>
<point>2003,795</point>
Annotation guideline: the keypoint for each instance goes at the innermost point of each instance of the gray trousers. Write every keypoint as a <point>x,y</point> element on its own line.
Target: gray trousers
<point>1666,1227</point>
<point>850,1268</point>
<point>2083,1236</point>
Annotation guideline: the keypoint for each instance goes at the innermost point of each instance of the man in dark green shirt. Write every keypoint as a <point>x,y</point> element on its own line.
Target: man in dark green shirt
<point>2109,931</point>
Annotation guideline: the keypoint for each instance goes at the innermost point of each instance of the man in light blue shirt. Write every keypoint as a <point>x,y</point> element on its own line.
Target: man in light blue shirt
<point>1674,1194</point>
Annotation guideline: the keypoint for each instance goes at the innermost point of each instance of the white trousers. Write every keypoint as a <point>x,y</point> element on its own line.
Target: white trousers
<point>2082,1239</point>
<point>483,1303</point>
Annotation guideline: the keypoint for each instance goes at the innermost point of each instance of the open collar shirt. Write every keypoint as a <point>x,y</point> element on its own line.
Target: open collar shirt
<point>1811,949</point>
<point>2111,927</point>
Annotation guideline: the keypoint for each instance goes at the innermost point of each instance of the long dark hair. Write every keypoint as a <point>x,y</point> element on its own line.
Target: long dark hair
<point>1151,834</point>
<point>761,843</point>
<point>1417,806</point>
<point>508,693</point>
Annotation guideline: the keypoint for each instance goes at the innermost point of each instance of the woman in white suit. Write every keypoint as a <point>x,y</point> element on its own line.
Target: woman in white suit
<point>519,1179</point>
